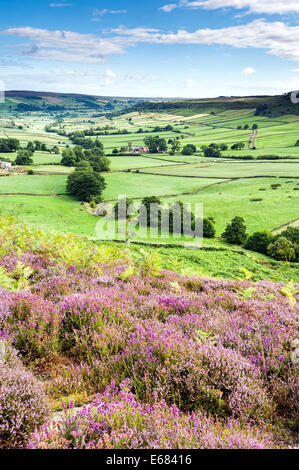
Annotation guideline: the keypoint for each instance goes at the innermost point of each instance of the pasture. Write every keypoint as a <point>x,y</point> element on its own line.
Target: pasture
<point>222,185</point>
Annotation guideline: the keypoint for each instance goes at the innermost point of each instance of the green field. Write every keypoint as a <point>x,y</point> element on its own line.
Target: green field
<point>55,184</point>
<point>231,169</point>
<point>225,187</point>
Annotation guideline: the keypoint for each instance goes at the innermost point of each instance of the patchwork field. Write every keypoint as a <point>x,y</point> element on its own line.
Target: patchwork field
<point>178,177</point>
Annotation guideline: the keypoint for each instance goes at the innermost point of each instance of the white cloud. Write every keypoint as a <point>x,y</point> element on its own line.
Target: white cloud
<point>110,77</point>
<point>269,7</point>
<point>97,12</point>
<point>248,71</point>
<point>65,46</point>
<point>168,8</point>
<point>277,38</point>
<point>60,5</point>
<point>295,70</point>
<point>190,83</point>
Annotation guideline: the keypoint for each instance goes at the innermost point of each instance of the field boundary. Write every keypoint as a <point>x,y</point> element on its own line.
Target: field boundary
<point>31,194</point>
<point>284,225</point>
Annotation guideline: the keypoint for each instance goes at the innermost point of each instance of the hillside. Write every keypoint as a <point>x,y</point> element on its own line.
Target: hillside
<point>45,102</point>
<point>160,360</point>
<point>269,106</point>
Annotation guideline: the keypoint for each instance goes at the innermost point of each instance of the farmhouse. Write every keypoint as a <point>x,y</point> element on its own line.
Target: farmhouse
<point>5,165</point>
<point>140,149</point>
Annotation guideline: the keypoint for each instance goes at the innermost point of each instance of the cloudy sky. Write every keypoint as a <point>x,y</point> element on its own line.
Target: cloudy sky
<point>180,48</point>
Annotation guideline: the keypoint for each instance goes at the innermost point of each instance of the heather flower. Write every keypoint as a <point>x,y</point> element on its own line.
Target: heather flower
<point>23,405</point>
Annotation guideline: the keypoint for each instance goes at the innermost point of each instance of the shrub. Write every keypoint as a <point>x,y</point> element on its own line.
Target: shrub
<point>23,406</point>
<point>208,228</point>
<point>121,210</point>
<point>117,420</point>
<point>33,323</point>
<point>282,249</point>
<point>259,242</point>
<point>235,232</point>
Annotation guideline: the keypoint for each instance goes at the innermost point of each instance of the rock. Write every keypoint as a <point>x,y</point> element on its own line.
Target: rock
<point>2,351</point>
<point>295,352</point>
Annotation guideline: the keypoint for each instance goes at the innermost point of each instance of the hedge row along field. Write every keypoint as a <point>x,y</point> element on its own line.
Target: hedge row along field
<point>101,348</point>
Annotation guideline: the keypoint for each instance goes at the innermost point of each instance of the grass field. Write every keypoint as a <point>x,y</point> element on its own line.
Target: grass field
<point>33,184</point>
<point>231,169</point>
<point>194,178</point>
<point>226,200</point>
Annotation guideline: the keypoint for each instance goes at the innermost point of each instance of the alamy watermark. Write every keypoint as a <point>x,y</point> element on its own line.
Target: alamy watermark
<point>295,97</point>
<point>151,222</point>
<point>2,92</point>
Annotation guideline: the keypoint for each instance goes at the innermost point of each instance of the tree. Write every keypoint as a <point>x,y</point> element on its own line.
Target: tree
<point>156,217</point>
<point>155,144</point>
<point>86,185</point>
<point>30,146</point>
<point>189,149</point>
<point>176,146</point>
<point>178,213</point>
<point>235,232</point>
<point>259,241</point>
<point>38,145</point>
<point>9,145</point>
<point>223,147</point>
<point>24,157</point>
<point>254,127</point>
<point>282,249</point>
<point>208,228</point>
<point>238,146</point>
<point>292,234</point>
<point>121,210</point>
<point>97,160</point>
<point>211,152</point>
<point>69,157</point>
<point>100,164</point>
<point>83,165</point>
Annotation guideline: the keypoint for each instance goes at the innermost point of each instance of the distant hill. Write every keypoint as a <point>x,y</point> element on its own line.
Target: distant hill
<point>71,103</point>
<point>46,102</point>
<point>271,106</point>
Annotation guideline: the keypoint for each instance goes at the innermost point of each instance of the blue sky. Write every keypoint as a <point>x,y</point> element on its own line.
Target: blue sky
<point>175,48</point>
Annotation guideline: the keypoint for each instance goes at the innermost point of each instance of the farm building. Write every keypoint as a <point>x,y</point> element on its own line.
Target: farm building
<point>140,150</point>
<point>5,165</point>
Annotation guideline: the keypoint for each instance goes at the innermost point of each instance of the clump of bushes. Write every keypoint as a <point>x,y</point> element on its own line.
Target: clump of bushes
<point>282,249</point>
<point>259,241</point>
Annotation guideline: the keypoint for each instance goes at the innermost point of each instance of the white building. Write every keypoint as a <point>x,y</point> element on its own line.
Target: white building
<point>5,165</point>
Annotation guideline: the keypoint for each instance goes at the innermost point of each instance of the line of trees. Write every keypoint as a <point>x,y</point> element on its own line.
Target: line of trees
<point>282,247</point>
<point>96,158</point>
<point>9,145</point>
